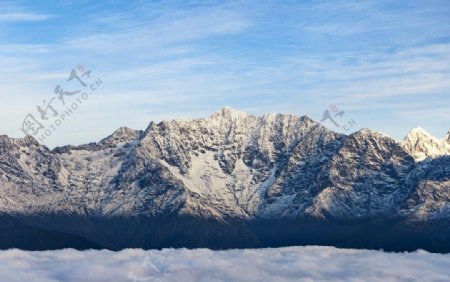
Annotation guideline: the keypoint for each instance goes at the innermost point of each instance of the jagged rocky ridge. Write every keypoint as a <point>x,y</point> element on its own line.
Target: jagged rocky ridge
<point>226,168</point>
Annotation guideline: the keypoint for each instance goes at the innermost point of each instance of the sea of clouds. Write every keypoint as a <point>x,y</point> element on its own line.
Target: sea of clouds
<point>281,264</point>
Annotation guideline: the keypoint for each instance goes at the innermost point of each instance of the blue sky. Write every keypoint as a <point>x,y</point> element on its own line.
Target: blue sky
<point>385,63</point>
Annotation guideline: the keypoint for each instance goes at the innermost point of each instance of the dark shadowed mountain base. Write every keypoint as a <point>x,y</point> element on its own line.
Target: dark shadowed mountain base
<point>55,232</point>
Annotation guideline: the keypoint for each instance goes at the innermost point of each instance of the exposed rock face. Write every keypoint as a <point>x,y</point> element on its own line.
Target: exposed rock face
<point>365,178</point>
<point>230,166</point>
<point>431,194</point>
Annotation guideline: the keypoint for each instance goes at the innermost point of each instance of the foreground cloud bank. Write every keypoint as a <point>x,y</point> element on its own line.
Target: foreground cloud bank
<point>283,264</point>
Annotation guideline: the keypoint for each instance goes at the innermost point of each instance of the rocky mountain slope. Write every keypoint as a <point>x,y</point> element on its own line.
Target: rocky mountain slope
<point>231,166</point>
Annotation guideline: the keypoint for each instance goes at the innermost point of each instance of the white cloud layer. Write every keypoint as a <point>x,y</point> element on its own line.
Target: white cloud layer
<point>283,264</point>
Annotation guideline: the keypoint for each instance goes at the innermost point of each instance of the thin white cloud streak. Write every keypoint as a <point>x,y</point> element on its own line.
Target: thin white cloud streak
<point>23,17</point>
<point>361,76</point>
<point>283,264</point>
<point>349,18</point>
<point>176,28</point>
<point>432,113</point>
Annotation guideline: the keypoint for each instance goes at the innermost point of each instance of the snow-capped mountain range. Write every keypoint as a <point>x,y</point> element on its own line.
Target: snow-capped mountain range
<point>230,166</point>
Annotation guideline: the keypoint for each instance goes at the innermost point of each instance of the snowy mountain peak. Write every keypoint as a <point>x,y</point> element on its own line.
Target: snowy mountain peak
<point>421,144</point>
<point>123,134</point>
<point>418,132</point>
<point>24,141</point>
<point>229,113</point>
<point>366,132</point>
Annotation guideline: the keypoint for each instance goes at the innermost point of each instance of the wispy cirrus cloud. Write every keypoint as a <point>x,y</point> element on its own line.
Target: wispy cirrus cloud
<point>23,17</point>
<point>161,32</point>
<point>168,60</point>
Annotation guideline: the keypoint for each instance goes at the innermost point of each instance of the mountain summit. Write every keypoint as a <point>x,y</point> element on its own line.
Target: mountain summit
<point>420,144</point>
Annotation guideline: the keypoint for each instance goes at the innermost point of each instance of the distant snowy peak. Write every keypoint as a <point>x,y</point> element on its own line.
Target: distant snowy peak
<point>419,132</point>
<point>233,115</point>
<point>122,135</point>
<point>25,141</point>
<point>421,145</point>
<point>366,132</point>
<point>227,116</point>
